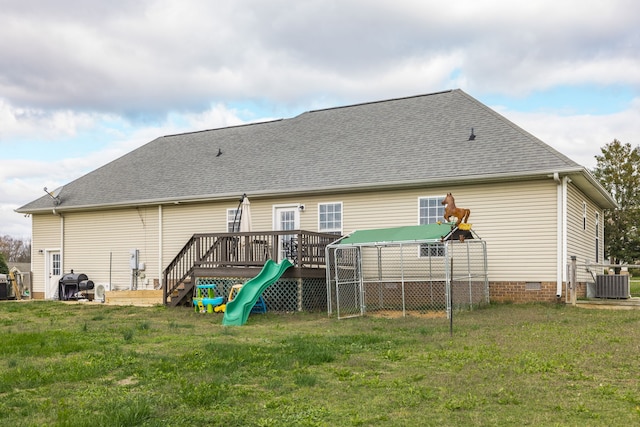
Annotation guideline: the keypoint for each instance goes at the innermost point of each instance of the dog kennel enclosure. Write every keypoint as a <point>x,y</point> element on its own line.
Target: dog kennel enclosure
<point>412,270</point>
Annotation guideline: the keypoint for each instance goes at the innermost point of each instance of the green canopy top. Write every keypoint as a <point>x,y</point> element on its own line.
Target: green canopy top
<point>411,233</point>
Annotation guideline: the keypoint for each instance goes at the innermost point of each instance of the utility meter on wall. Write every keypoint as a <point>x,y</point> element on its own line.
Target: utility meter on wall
<point>134,259</point>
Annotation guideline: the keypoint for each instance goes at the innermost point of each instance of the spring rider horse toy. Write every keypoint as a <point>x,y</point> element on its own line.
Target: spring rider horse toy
<point>450,210</point>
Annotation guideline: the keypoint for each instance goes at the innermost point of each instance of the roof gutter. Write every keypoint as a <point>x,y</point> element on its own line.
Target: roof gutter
<point>593,181</point>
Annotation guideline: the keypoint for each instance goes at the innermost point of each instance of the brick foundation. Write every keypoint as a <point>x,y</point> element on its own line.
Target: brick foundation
<point>522,292</point>
<point>515,292</point>
<point>37,295</point>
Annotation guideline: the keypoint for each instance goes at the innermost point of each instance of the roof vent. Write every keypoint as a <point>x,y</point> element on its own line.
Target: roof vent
<point>472,136</point>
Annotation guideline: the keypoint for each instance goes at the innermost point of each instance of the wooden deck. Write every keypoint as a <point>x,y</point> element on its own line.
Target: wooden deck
<point>610,304</point>
<point>138,298</point>
<point>243,255</point>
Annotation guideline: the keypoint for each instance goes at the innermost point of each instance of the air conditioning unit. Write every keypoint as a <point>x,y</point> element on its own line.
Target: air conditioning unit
<point>99,292</point>
<point>612,286</point>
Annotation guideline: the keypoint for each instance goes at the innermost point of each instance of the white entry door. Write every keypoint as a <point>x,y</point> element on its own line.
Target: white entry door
<point>287,218</point>
<point>53,274</point>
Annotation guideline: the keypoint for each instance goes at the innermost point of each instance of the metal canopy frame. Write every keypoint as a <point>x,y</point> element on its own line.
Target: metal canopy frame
<point>407,276</point>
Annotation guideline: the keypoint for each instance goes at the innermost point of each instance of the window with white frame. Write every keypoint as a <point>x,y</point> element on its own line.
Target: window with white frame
<point>55,264</point>
<point>233,220</point>
<point>431,210</point>
<point>330,217</point>
<point>584,215</point>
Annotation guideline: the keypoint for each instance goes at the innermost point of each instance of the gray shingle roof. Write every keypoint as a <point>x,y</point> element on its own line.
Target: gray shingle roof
<point>420,140</point>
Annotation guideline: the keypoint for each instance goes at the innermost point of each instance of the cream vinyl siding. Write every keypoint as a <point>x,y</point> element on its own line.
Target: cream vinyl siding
<point>383,209</point>
<point>516,219</point>
<point>519,223</point>
<point>98,244</point>
<point>581,242</point>
<point>46,235</point>
<point>180,222</point>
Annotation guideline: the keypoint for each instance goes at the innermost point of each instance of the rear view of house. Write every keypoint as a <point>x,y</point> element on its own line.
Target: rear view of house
<point>313,178</point>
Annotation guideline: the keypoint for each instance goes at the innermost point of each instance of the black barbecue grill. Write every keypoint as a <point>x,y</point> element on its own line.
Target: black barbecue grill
<point>74,286</point>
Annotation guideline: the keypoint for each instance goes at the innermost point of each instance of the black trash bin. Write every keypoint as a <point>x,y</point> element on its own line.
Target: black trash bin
<point>4,292</point>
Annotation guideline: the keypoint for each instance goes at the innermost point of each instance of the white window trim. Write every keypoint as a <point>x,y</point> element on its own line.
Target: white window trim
<point>227,219</point>
<point>275,208</point>
<point>420,255</point>
<point>439,197</point>
<point>341,219</point>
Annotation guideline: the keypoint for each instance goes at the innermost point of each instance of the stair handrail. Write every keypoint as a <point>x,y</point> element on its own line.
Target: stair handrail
<point>172,265</point>
<point>197,250</point>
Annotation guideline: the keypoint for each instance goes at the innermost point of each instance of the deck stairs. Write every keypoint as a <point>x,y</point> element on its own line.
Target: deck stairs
<point>240,254</point>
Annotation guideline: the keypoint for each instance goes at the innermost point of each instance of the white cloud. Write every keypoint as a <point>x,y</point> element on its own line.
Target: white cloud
<point>23,180</point>
<point>103,78</point>
<point>158,55</point>
<point>38,123</point>
<point>580,137</point>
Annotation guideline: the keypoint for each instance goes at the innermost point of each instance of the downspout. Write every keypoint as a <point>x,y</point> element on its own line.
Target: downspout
<point>559,233</point>
<point>565,258</point>
<point>61,240</point>
<point>160,275</point>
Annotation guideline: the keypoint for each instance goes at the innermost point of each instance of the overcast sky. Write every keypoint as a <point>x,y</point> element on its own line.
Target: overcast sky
<point>83,82</point>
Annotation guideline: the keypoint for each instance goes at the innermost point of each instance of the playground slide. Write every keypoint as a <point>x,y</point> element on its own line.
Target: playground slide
<point>237,311</point>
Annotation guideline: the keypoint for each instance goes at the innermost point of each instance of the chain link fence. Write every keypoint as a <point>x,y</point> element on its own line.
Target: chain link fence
<point>403,278</point>
<point>285,295</point>
<point>407,278</point>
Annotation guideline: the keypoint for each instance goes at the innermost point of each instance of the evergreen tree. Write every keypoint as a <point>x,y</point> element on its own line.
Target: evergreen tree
<point>618,170</point>
<point>4,268</point>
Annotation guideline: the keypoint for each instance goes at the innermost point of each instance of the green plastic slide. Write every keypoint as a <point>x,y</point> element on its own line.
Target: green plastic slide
<point>237,311</point>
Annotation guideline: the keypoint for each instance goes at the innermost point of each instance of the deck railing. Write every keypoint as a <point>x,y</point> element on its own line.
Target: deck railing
<point>304,249</point>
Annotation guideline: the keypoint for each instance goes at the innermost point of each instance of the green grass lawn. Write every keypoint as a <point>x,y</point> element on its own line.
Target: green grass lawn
<point>634,287</point>
<point>505,365</point>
